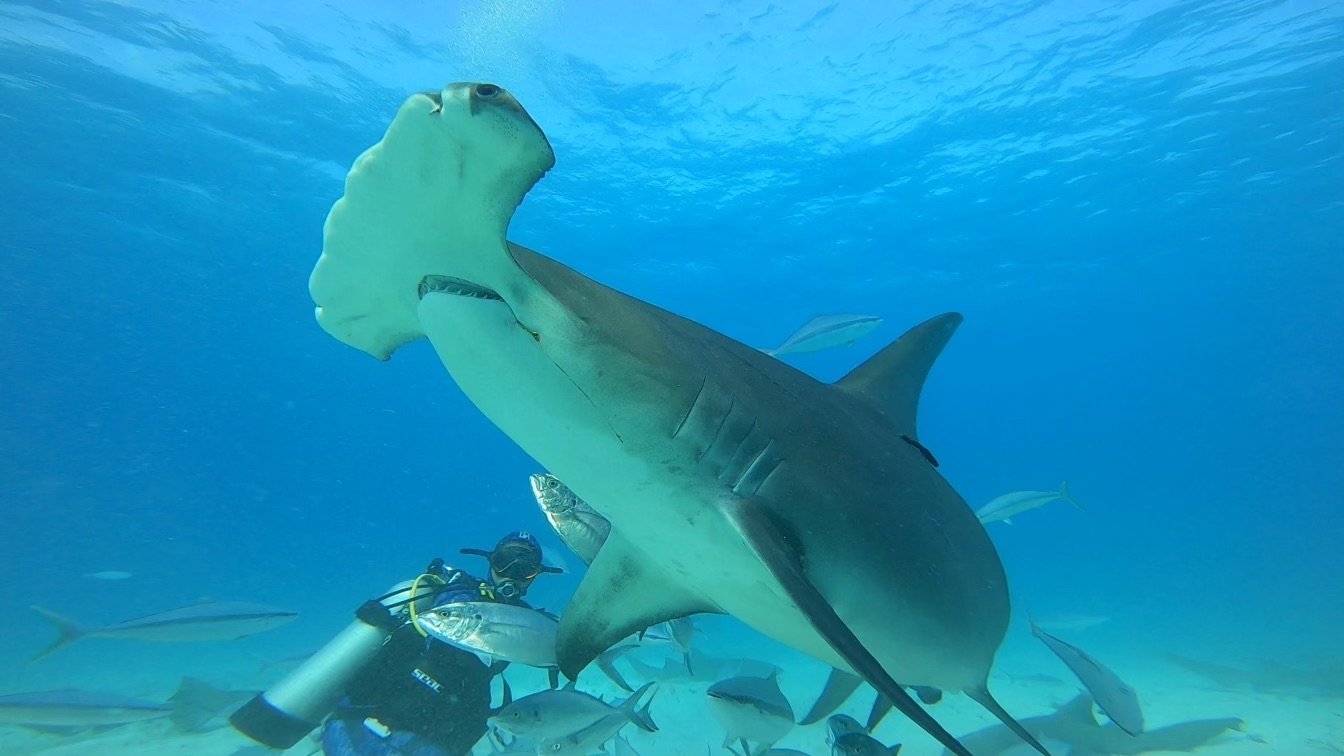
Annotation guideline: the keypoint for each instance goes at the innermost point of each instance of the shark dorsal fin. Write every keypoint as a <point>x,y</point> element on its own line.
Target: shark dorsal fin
<point>1078,710</point>
<point>892,379</point>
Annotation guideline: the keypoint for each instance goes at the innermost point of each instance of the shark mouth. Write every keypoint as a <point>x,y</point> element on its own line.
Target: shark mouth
<point>455,286</point>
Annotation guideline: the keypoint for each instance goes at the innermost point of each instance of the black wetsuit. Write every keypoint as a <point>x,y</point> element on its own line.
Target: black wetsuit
<point>423,687</point>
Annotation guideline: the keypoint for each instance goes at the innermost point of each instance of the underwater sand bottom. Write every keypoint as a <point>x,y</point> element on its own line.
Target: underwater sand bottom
<point>1273,724</point>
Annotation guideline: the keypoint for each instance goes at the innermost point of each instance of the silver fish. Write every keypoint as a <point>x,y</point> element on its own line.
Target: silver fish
<point>1004,508</point>
<point>751,709</point>
<point>109,575</point>
<point>861,744</point>
<point>205,621</point>
<point>499,631</point>
<point>842,724</point>
<point>582,529</point>
<point>825,332</point>
<point>77,708</point>
<point>592,737</point>
<point>551,714</point>
<point>1117,699</point>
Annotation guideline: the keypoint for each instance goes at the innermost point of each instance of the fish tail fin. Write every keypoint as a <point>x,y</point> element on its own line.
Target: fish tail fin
<point>1066,496</point>
<point>640,714</point>
<point>606,661</point>
<point>643,719</point>
<point>981,696</point>
<point>68,631</point>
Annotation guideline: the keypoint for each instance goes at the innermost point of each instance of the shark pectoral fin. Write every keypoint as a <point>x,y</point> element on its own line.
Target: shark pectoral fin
<point>784,561</point>
<point>981,696</point>
<point>893,378</point>
<point>618,597</point>
<point>840,685</point>
<point>881,707</point>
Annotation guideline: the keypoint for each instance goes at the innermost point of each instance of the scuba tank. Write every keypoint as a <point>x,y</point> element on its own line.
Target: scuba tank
<point>283,714</point>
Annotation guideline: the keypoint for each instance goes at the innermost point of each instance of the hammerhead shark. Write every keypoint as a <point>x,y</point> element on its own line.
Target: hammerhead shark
<point>733,483</point>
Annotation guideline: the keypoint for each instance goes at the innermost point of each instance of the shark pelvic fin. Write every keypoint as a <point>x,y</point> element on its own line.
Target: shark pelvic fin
<point>782,558</point>
<point>981,696</point>
<point>619,596</point>
<point>840,685</point>
<point>893,378</point>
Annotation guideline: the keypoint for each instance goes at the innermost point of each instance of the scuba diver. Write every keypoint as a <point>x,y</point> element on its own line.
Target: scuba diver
<point>397,690</point>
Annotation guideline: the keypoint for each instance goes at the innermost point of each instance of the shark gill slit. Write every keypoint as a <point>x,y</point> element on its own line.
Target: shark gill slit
<point>727,451</point>
<point>759,471</point>
<point>691,409</point>
<point>579,388</point>
<point>735,460</point>
<point>732,403</point>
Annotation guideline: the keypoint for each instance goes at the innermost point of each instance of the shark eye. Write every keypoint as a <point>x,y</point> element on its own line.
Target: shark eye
<point>487,91</point>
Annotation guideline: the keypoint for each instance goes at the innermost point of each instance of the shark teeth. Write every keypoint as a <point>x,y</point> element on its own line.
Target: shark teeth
<point>454,286</point>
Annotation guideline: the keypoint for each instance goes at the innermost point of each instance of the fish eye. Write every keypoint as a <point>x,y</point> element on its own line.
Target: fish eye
<point>488,91</point>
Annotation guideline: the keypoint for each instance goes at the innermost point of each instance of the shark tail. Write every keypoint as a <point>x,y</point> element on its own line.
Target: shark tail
<point>195,703</point>
<point>1066,496</point>
<point>68,631</point>
<point>982,696</point>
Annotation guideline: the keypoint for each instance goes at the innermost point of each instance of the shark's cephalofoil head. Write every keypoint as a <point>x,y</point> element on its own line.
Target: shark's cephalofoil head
<point>484,119</point>
<point>432,198</point>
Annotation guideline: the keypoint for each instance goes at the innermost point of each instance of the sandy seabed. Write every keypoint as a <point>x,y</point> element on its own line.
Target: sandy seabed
<point>1273,724</point>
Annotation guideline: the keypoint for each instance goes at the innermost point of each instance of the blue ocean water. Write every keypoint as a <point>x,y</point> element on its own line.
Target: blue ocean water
<point>1137,206</point>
